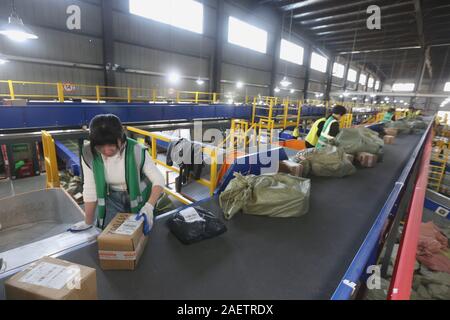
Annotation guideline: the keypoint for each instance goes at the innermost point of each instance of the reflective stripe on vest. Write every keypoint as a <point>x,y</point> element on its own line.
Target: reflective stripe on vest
<point>325,137</point>
<point>312,136</point>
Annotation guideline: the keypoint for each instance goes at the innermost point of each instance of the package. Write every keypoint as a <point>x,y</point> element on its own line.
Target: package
<point>389,139</point>
<point>274,195</point>
<point>366,160</point>
<point>331,162</point>
<point>354,140</point>
<point>121,244</point>
<point>53,279</point>
<point>291,167</point>
<point>195,224</point>
<point>391,131</point>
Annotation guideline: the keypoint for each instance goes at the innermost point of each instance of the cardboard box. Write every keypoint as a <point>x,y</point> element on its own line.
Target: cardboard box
<point>389,139</point>
<point>367,160</point>
<point>391,132</point>
<point>350,157</point>
<point>291,167</point>
<point>121,244</point>
<point>53,279</point>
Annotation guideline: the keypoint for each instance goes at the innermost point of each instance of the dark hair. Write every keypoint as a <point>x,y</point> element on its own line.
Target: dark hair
<point>341,110</point>
<point>106,129</point>
<point>391,110</point>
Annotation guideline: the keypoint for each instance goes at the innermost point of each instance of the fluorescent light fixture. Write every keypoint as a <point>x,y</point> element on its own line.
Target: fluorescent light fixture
<point>362,79</point>
<point>346,94</point>
<point>377,85</point>
<point>3,59</point>
<point>373,95</point>
<point>239,85</point>
<point>174,77</point>
<point>246,35</point>
<point>447,87</point>
<point>318,62</point>
<point>395,101</point>
<point>338,70</point>
<point>407,87</point>
<point>371,82</point>
<point>367,100</point>
<point>341,96</point>
<point>402,101</point>
<point>352,74</point>
<point>354,98</point>
<point>292,91</point>
<point>291,52</point>
<point>285,82</point>
<point>387,99</point>
<point>15,30</point>
<point>200,82</point>
<point>277,90</point>
<point>184,14</point>
<point>406,103</point>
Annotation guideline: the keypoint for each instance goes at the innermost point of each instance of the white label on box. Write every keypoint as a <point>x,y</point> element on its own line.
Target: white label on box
<point>191,215</point>
<point>49,275</point>
<point>129,226</point>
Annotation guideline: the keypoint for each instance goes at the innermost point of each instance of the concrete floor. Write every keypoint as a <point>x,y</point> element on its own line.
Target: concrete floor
<point>10,188</point>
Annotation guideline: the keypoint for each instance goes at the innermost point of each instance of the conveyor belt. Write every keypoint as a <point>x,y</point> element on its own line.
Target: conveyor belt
<point>263,258</point>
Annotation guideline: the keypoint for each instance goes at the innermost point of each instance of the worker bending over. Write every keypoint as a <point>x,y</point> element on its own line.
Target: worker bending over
<point>331,127</point>
<point>314,133</point>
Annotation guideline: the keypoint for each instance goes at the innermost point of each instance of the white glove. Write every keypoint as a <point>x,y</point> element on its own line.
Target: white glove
<point>148,209</point>
<point>80,226</point>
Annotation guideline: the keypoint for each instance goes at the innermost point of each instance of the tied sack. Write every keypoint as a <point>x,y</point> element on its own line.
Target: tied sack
<point>355,140</point>
<point>274,195</point>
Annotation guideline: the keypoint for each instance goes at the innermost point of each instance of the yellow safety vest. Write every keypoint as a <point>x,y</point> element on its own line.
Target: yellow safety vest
<point>312,137</point>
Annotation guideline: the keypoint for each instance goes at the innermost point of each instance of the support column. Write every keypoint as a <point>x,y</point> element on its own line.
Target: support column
<point>307,64</point>
<point>330,78</point>
<point>275,57</point>
<point>108,46</point>
<point>217,57</point>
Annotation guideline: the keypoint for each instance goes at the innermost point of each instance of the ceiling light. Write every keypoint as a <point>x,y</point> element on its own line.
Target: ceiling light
<point>174,77</point>
<point>292,91</point>
<point>277,89</point>
<point>285,82</point>
<point>15,30</point>
<point>3,59</point>
<point>346,94</point>
<point>341,96</point>
<point>200,82</point>
<point>239,85</point>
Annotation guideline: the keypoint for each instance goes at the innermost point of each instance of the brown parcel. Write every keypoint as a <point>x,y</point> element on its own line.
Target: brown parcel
<point>53,279</point>
<point>121,251</point>
<point>367,160</point>
<point>391,131</point>
<point>389,139</point>
<point>291,167</point>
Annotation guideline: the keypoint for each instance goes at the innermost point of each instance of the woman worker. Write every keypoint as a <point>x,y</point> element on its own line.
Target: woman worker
<point>119,176</point>
<point>331,127</point>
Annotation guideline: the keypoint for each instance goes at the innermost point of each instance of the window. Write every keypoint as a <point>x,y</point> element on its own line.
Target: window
<point>352,73</point>
<point>184,14</point>
<point>247,36</point>
<point>447,87</point>
<point>377,85</point>
<point>403,87</point>
<point>291,52</point>
<point>338,70</point>
<point>371,81</point>
<point>319,62</point>
<point>362,79</point>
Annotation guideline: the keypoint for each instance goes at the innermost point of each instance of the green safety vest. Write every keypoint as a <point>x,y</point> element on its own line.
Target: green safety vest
<point>312,136</point>
<point>138,185</point>
<point>387,117</point>
<point>325,137</point>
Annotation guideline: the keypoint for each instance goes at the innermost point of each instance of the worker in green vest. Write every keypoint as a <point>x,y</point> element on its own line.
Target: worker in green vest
<point>119,177</point>
<point>331,127</point>
<point>314,133</point>
<point>389,116</point>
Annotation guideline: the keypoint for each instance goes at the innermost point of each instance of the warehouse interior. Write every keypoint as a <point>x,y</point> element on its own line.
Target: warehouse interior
<point>224,149</point>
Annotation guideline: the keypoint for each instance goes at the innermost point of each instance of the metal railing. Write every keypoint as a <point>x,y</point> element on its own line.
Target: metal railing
<point>211,184</point>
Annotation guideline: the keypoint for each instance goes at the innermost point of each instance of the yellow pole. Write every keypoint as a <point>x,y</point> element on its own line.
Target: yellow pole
<point>154,95</point>
<point>154,146</point>
<point>97,92</point>
<point>213,181</point>
<point>196,97</point>
<point>214,97</point>
<point>11,89</point>
<point>178,97</point>
<point>254,110</point>
<point>60,89</point>
<point>129,94</point>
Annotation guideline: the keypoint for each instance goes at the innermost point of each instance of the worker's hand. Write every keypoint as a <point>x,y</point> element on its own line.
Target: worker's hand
<point>80,226</point>
<point>146,213</point>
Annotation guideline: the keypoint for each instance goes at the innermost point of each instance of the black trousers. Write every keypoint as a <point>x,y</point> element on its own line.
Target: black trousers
<point>309,145</point>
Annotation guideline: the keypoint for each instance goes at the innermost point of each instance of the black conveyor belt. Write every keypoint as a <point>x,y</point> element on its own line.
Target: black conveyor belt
<point>263,258</point>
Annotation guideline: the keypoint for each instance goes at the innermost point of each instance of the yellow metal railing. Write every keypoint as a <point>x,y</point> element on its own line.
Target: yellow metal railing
<point>51,163</point>
<point>211,151</point>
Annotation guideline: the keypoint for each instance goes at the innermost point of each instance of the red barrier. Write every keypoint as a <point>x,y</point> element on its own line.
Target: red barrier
<point>402,277</point>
